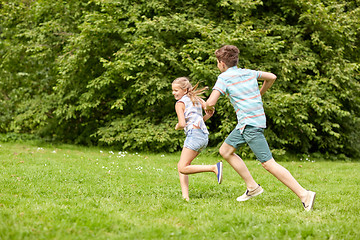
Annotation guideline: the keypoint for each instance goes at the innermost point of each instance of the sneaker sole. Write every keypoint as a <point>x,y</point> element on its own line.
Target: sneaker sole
<point>311,204</point>
<point>219,166</point>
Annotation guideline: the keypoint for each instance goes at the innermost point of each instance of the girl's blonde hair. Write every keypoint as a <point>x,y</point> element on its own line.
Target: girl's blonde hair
<point>193,93</point>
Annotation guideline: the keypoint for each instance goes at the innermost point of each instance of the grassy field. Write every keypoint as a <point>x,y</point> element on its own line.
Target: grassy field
<point>69,192</point>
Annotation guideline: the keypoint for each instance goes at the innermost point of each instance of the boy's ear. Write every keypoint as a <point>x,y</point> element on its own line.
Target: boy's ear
<point>223,64</point>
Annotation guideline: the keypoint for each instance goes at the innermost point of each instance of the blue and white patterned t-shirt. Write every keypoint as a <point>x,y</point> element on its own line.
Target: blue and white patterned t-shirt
<point>241,87</point>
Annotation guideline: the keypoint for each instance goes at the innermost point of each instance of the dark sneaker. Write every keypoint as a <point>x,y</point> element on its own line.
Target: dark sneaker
<point>249,194</point>
<point>219,166</point>
<point>309,201</point>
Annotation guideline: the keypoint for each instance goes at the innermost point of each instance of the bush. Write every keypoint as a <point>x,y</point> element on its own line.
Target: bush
<point>93,72</point>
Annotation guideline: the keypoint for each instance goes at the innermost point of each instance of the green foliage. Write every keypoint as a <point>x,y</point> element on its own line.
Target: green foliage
<point>15,137</point>
<point>100,72</point>
<point>129,133</point>
<point>320,93</point>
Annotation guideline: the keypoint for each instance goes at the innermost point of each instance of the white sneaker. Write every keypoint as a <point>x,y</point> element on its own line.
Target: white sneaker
<point>249,194</point>
<point>309,201</point>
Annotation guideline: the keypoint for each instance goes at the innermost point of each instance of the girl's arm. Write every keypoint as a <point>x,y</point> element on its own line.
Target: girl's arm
<point>180,110</point>
<point>208,113</point>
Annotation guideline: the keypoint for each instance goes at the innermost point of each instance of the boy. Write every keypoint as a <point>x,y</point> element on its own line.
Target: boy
<point>241,87</point>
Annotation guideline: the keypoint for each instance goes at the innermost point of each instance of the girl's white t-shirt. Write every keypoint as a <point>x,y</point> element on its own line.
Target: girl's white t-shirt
<point>193,115</point>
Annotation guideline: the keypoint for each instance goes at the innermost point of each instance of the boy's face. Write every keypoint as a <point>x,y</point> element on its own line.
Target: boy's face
<point>222,66</point>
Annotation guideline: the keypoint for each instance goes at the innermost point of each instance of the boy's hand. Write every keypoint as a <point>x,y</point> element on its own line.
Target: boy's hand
<point>209,108</point>
<point>210,112</point>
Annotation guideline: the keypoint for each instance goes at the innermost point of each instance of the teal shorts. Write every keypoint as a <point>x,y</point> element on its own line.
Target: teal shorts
<point>255,138</point>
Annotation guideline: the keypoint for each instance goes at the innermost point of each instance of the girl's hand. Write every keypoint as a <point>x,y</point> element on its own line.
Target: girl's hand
<point>178,127</point>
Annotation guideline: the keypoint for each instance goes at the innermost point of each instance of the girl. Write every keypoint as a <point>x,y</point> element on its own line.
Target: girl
<point>189,111</point>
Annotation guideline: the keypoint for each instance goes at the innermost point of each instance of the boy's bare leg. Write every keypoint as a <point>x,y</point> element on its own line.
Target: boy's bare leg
<point>228,153</point>
<point>285,177</point>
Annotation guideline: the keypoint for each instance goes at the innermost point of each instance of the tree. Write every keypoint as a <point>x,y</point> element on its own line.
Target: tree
<point>100,72</point>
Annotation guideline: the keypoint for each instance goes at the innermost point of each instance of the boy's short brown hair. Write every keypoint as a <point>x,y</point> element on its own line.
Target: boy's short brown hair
<point>229,54</point>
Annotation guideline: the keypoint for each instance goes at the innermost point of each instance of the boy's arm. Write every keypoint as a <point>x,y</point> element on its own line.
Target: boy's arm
<point>212,100</point>
<point>269,79</point>
<point>180,109</point>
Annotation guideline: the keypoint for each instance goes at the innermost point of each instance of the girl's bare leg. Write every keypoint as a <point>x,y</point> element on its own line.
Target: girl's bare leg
<point>184,183</point>
<point>185,168</point>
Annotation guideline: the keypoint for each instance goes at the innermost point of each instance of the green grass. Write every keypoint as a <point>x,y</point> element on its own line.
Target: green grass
<point>69,192</point>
